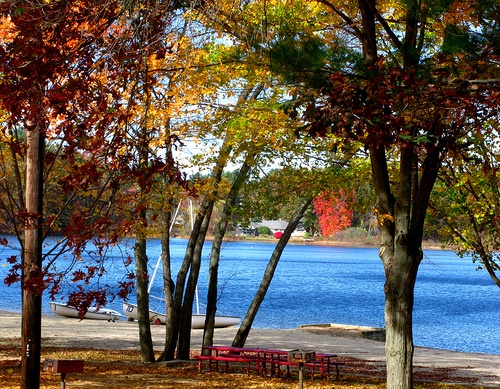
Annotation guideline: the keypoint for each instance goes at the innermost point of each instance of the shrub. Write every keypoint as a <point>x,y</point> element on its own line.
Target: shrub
<point>264,230</point>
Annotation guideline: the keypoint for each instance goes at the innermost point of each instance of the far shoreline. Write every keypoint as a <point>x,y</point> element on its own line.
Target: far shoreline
<point>426,245</point>
<point>313,241</point>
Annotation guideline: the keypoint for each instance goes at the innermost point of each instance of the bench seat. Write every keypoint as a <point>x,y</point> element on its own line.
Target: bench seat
<point>247,360</point>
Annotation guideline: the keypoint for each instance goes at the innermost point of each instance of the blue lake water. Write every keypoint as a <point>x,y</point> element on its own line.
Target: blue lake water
<point>456,306</point>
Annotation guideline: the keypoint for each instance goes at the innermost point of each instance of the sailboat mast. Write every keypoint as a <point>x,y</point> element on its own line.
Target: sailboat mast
<point>159,258</point>
<point>192,223</point>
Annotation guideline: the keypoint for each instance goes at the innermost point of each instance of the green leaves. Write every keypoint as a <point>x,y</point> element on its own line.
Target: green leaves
<point>300,59</point>
<point>458,40</point>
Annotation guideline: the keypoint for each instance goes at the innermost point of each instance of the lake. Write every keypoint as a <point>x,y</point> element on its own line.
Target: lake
<point>456,306</point>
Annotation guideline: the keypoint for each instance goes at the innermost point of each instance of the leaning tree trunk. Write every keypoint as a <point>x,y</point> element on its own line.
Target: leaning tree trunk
<point>181,312</point>
<point>187,305</point>
<point>247,95</point>
<point>220,230</point>
<point>178,335</point>
<point>242,334</point>
<point>174,314</point>
<point>32,263</point>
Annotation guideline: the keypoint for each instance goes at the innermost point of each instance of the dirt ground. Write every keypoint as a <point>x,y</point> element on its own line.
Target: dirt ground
<point>362,357</point>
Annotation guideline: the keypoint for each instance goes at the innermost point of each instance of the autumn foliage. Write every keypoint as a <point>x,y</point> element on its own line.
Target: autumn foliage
<point>333,212</point>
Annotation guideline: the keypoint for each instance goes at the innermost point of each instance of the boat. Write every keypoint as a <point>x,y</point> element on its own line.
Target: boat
<point>131,311</point>
<point>93,313</point>
<point>197,320</point>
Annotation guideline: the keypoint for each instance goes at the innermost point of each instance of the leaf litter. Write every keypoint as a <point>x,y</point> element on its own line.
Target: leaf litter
<point>120,369</point>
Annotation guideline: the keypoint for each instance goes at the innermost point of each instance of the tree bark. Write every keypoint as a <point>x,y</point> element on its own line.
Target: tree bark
<point>246,325</point>
<point>220,230</point>
<point>187,305</point>
<point>141,268</point>
<point>401,231</point>
<point>401,271</point>
<point>32,278</point>
<point>172,335</point>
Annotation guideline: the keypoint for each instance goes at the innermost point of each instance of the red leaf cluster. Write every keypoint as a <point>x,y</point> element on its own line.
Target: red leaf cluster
<point>126,287</point>
<point>333,213</point>
<point>52,47</point>
<point>34,281</point>
<point>14,274</point>
<point>396,107</point>
<point>82,299</point>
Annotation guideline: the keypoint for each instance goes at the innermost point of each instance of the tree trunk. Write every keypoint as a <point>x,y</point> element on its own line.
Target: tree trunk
<point>401,271</point>
<point>220,230</point>
<point>141,258</point>
<point>180,334</point>
<point>141,269</point>
<point>242,334</point>
<point>187,305</point>
<point>195,244</point>
<point>173,316</point>
<point>401,231</point>
<point>167,222</point>
<point>32,279</point>
<point>168,290</point>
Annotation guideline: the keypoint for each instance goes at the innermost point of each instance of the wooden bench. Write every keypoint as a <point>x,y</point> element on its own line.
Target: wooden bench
<point>320,365</point>
<point>226,359</point>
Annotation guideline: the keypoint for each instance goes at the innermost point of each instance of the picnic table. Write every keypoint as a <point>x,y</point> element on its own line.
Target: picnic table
<point>266,361</point>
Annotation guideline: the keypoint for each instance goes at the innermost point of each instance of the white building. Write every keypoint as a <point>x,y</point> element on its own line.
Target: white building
<point>278,226</point>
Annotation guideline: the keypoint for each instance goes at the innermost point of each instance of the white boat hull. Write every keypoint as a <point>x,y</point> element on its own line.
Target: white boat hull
<point>130,310</point>
<point>197,321</point>
<point>93,313</point>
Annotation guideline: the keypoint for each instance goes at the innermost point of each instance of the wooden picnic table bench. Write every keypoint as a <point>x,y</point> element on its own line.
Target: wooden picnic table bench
<point>321,362</point>
<point>228,354</point>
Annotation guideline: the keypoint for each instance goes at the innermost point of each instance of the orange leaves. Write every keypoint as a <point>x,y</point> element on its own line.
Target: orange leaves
<point>7,31</point>
<point>333,212</point>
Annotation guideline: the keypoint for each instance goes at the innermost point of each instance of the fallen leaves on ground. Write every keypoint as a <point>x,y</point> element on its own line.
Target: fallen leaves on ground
<point>117,369</point>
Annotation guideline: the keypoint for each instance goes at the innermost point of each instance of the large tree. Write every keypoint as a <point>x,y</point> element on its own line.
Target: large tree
<point>61,107</point>
<point>34,60</point>
<point>401,102</point>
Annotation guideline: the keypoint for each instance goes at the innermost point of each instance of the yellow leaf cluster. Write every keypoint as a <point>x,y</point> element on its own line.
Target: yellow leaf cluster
<point>7,30</point>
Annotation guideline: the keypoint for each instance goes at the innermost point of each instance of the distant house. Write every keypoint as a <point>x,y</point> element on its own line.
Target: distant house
<point>275,226</point>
